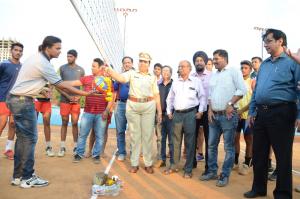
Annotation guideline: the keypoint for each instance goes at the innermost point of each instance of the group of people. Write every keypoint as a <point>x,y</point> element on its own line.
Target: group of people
<point>260,100</point>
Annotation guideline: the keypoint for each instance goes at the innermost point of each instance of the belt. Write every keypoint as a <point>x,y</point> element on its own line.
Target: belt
<point>220,112</point>
<point>185,110</point>
<point>271,106</point>
<point>121,100</point>
<point>141,100</point>
<point>22,97</point>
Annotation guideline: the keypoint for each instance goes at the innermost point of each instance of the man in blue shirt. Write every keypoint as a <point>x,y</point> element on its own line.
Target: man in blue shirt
<point>121,95</point>
<point>9,71</point>
<point>273,112</point>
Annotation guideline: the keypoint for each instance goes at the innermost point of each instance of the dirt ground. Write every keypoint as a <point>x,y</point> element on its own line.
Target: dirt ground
<point>74,181</point>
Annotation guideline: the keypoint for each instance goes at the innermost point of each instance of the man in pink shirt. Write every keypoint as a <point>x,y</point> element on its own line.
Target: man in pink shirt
<point>200,60</point>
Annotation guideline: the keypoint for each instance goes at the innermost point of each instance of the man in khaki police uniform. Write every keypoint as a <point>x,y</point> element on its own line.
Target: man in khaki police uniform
<point>142,103</point>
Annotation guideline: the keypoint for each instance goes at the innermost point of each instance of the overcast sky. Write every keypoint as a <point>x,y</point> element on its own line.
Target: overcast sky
<point>170,30</point>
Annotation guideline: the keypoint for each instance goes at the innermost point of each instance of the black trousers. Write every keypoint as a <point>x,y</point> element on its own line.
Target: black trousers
<point>202,122</point>
<point>274,126</point>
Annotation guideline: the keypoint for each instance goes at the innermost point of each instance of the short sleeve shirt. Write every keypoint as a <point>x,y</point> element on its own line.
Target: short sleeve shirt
<point>141,85</point>
<point>8,75</point>
<point>33,76</point>
<point>93,104</point>
<point>70,73</point>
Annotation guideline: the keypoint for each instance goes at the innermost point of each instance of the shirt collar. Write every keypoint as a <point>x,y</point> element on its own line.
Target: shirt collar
<point>46,56</point>
<point>282,55</point>
<point>205,72</point>
<point>162,82</point>
<point>224,69</point>
<point>189,78</point>
<point>143,73</point>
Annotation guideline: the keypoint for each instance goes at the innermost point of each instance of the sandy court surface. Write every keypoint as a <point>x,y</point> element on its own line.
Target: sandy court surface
<point>70,180</point>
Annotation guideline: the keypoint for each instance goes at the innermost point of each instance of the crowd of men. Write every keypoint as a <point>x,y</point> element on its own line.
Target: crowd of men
<point>260,100</point>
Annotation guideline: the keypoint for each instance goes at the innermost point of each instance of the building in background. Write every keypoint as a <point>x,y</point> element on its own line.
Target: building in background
<point>5,45</point>
<point>101,21</point>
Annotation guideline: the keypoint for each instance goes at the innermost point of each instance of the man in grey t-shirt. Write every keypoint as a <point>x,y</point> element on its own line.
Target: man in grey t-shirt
<point>34,74</point>
<point>69,72</point>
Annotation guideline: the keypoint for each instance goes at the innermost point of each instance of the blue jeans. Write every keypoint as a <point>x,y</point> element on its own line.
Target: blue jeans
<point>121,123</point>
<point>24,115</point>
<point>228,127</point>
<point>89,121</point>
<point>167,130</point>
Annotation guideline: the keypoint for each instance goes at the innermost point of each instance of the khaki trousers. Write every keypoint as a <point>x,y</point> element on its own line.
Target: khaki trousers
<point>140,118</point>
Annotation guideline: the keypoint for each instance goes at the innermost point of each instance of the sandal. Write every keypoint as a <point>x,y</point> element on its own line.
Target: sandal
<point>170,171</point>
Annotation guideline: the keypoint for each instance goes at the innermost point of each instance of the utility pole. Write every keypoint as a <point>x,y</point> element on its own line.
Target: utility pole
<point>125,12</point>
<point>262,30</point>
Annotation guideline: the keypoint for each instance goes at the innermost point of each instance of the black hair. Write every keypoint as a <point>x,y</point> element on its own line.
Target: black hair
<point>127,57</point>
<point>170,68</point>
<point>72,52</point>
<point>49,41</point>
<point>99,61</point>
<point>259,58</point>
<point>157,65</point>
<point>222,53</point>
<point>16,44</point>
<point>246,62</point>
<point>40,48</point>
<point>277,34</point>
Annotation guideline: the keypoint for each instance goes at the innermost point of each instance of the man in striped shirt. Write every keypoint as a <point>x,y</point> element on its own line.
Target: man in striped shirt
<point>95,114</point>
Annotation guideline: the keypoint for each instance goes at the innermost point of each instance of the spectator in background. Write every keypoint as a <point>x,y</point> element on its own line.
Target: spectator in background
<point>9,71</point>
<point>69,72</point>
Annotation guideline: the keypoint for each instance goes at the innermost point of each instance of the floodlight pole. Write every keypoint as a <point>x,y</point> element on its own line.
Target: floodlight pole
<point>262,30</point>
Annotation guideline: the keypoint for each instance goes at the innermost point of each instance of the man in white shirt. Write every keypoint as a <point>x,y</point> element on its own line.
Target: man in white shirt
<point>226,87</point>
<point>185,95</point>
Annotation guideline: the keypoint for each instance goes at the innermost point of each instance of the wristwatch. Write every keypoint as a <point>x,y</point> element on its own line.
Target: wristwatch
<point>230,104</point>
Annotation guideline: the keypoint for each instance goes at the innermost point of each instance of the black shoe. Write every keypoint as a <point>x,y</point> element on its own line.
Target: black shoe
<point>194,164</point>
<point>74,150</point>
<point>96,159</point>
<point>76,158</point>
<point>253,194</point>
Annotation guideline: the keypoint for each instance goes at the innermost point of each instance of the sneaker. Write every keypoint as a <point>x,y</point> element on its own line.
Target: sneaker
<point>222,181</point>
<point>297,188</point>
<point>61,152</point>
<point>273,176</point>
<point>270,169</point>
<point>235,167</point>
<point>15,181</point>
<point>96,159</point>
<point>34,181</point>
<point>76,158</point>
<point>9,154</point>
<point>199,157</point>
<point>121,157</point>
<point>243,169</point>
<point>49,151</point>
<point>208,176</point>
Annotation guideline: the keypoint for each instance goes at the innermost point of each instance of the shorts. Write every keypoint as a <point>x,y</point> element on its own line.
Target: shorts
<point>67,108</point>
<point>242,126</point>
<point>4,109</point>
<point>42,107</point>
